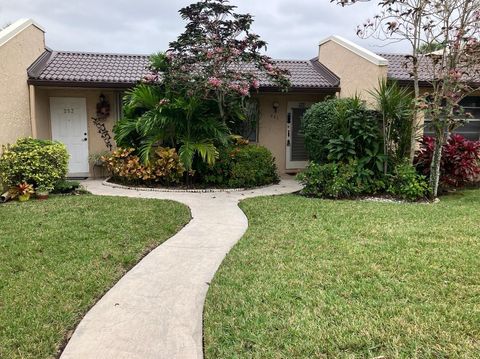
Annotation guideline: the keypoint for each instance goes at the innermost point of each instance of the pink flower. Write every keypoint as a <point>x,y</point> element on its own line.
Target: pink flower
<point>236,52</point>
<point>210,54</point>
<point>255,84</point>
<point>268,66</point>
<point>214,82</point>
<point>150,78</point>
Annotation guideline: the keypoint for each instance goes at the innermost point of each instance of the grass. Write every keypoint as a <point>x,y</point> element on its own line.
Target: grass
<point>58,257</point>
<point>344,279</point>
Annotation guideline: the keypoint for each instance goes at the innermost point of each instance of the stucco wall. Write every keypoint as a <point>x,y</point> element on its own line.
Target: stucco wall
<point>357,74</point>
<point>42,113</point>
<point>16,55</point>
<point>272,131</point>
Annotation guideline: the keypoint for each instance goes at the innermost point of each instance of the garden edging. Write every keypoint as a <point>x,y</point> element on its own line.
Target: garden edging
<point>172,190</point>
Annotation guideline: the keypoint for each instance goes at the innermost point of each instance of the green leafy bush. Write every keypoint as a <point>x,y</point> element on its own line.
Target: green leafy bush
<point>319,124</point>
<point>339,180</point>
<point>65,186</point>
<point>165,167</point>
<point>37,162</point>
<point>406,183</point>
<point>341,130</point>
<point>241,166</point>
<point>331,180</point>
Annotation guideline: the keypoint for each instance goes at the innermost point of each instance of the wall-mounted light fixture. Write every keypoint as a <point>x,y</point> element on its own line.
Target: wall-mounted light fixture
<point>275,106</point>
<point>103,108</point>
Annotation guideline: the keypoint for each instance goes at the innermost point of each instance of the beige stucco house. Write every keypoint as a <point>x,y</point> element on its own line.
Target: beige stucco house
<point>56,95</point>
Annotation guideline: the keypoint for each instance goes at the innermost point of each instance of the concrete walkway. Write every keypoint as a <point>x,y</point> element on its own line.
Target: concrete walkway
<point>155,310</point>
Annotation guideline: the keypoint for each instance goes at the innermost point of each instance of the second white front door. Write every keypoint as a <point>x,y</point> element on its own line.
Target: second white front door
<point>297,157</point>
<point>69,126</point>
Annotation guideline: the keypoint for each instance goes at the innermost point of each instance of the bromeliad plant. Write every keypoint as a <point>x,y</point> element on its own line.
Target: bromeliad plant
<point>23,191</point>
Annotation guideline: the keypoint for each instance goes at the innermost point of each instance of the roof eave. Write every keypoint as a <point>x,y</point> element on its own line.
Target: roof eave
<point>82,84</point>
<point>300,89</point>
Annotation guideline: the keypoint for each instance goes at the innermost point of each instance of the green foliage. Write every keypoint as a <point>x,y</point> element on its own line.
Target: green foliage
<point>406,183</point>
<point>65,186</point>
<point>395,105</point>
<point>154,115</point>
<point>242,166</point>
<point>331,180</point>
<point>36,162</point>
<point>342,130</point>
<point>319,124</point>
<point>165,167</point>
<point>339,180</point>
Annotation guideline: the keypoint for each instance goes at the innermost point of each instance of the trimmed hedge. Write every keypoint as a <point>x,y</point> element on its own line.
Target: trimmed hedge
<point>241,166</point>
<point>36,162</point>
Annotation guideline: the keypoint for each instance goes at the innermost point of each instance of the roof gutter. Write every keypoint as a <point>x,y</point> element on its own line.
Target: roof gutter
<point>81,84</point>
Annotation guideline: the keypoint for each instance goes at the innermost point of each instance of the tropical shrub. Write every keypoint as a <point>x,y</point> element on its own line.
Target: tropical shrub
<point>395,105</point>
<point>65,186</point>
<point>331,180</point>
<point>339,180</point>
<point>36,162</point>
<point>241,166</point>
<point>127,167</point>
<point>252,166</point>
<point>460,162</point>
<point>406,183</point>
<point>319,126</point>
<point>342,130</point>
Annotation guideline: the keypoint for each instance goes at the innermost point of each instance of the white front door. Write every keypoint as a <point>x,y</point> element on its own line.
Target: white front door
<point>297,157</point>
<point>69,126</point>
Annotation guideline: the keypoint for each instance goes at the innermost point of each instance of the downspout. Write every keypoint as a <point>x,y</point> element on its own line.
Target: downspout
<point>33,119</point>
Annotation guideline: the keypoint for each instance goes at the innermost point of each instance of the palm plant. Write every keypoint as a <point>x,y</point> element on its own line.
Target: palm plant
<point>395,105</point>
<point>154,116</point>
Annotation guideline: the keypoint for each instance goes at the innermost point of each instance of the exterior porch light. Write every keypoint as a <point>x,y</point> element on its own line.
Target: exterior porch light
<point>275,106</point>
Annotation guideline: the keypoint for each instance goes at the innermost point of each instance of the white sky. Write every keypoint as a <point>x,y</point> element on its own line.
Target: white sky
<point>292,28</point>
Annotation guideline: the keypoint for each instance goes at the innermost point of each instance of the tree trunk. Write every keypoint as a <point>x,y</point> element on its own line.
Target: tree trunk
<point>435,167</point>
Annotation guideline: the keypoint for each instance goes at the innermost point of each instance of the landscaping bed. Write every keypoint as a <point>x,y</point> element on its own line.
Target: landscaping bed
<point>58,257</point>
<point>346,279</point>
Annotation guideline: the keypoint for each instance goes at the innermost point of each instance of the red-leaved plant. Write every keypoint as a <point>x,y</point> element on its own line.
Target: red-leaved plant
<point>460,160</point>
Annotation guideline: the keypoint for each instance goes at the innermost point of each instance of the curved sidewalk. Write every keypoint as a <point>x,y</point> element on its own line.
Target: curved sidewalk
<point>155,310</point>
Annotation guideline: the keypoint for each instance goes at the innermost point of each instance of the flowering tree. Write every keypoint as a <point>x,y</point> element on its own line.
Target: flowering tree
<point>218,56</point>
<point>451,71</point>
<point>454,71</point>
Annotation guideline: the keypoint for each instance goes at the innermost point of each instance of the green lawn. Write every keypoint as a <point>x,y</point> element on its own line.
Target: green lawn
<point>58,257</point>
<point>344,279</point>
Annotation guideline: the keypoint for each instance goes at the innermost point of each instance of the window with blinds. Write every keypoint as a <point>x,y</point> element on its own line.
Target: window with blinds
<point>471,129</point>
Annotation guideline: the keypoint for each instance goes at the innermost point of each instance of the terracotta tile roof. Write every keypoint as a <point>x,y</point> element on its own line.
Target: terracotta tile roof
<point>119,70</point>
<point>399,69</point>
<point>89,68</point>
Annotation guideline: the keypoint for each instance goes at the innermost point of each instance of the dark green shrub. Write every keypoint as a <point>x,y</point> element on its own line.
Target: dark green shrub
<point>241,166</point>
<point>65,186</point>
<point>339,180</point>
<point>36,162</point>
<point>319,126</point>
<point>406,183</point>
<point>342,130</point>
<point>332,180</point>
<point>253,166</point>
